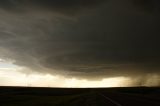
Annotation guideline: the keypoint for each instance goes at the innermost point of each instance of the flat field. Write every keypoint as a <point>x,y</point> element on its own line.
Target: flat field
<point>41,96</point>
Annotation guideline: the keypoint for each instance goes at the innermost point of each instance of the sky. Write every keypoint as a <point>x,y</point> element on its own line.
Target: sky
<point>79,43</point>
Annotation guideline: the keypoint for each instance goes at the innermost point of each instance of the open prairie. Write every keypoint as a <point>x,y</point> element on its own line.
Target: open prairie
<point>41,96</point>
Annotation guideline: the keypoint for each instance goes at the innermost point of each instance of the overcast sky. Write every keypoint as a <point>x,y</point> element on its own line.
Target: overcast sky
<point>82,39</point>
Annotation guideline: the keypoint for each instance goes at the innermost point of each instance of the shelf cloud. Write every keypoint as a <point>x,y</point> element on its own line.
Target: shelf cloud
<point>90,39</point>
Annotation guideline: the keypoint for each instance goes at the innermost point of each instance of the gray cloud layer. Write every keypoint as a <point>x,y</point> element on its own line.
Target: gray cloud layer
<point>94,38</point>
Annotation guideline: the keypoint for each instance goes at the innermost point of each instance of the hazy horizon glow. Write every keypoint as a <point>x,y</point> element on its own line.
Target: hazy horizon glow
<point>12,75</point>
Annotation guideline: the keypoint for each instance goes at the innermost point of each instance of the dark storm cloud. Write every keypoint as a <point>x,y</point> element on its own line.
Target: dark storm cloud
<point>103,39</point>
<point>65,6</point>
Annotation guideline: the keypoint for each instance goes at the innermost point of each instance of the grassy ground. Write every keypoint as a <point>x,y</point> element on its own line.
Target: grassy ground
<point>22,96</point>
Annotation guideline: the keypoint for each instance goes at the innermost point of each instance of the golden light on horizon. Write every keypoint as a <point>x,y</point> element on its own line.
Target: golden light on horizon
<point>106,82</point>
<point>16,78</point>
<point>12,75</point>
